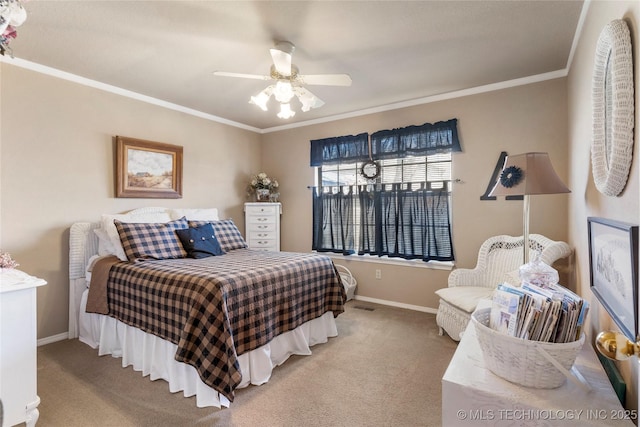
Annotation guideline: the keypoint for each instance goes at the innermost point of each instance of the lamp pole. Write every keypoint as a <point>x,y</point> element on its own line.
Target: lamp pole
<point>525,227</point>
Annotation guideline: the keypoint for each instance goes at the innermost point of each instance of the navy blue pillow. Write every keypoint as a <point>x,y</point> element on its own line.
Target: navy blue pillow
<point>200,242</point>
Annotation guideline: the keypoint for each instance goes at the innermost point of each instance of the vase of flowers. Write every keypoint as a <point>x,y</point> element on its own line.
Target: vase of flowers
<point>264,188</point>
<point>262,194</point>
<point>6,261</point>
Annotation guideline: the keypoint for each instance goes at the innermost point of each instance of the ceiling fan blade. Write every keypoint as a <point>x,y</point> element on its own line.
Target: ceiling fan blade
<point>325,79</point>
<point>281,56</point>
<point>244,76</point>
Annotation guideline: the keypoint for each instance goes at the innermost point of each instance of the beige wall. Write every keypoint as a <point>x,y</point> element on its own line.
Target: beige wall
<point>516,120</point>
<point>57,168</point>
<point>586,200</point>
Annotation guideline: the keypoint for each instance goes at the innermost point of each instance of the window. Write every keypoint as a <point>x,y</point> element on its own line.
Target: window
<point>404,212</point>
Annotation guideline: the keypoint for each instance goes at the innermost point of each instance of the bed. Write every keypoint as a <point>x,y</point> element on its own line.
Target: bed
<point>207,326</point>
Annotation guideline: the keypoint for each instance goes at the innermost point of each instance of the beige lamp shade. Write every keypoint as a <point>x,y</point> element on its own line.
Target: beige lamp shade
<point>528,174</point>
<point>525,175</point>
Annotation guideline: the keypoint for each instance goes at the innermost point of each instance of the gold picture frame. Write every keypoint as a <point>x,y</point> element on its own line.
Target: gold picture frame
<point>147,169</point>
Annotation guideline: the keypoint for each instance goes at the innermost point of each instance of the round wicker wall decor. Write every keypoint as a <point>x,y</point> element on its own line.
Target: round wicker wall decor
<point>613,108</point>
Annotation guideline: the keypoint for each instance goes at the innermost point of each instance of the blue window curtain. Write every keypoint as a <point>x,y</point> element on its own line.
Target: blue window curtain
<point>369,200</point>
<point>395,221</point>
<point>424,231</point>
<point>333,224</point>
<point>404,223</point>
<point>340,149</point>
<point>423,140</point>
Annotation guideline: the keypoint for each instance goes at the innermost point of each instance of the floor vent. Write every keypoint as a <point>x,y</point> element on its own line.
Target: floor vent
<point>361,307</point>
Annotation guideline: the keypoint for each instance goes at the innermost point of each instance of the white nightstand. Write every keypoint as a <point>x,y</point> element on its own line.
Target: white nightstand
<point>18,346</point>
<point>262,225</point>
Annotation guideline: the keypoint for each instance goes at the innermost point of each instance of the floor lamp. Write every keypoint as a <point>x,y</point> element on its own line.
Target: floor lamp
<point>526,175</point>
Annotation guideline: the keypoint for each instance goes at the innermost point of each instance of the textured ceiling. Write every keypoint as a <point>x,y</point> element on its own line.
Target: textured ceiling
<point>394,51</point>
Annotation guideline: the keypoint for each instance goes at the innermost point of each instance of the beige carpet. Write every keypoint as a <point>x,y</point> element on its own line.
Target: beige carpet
<point>384,369</point>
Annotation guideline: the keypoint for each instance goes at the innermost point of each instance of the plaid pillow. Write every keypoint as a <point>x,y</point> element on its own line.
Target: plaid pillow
<point>227,233</point>
<point>142,241</point>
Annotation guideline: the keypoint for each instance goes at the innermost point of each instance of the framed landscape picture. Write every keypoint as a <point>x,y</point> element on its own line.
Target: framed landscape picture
<point>146,169</point>
<point>613,267</point>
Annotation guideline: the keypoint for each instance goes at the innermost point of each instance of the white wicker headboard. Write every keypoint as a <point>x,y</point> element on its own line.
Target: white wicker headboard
<point>83,244</point>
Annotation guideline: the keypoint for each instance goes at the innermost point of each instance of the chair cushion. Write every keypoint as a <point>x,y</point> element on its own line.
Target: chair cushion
<point>465,297</point>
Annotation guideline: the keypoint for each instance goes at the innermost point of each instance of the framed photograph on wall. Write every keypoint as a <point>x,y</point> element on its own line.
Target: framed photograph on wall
<point>613,267</point>
<point>146,169</point>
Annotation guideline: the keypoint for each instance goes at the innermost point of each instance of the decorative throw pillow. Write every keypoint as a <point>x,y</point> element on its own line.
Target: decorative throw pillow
<point>137,216</point>
<point>142,241</point>
<point>200,242</point>
<point>226,232</point>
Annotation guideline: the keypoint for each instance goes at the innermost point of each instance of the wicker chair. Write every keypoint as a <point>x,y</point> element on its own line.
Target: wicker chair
<point>498,260</point>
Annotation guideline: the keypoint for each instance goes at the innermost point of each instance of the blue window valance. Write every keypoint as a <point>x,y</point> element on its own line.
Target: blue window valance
<point>421,140</point>
<point>340,149</point>
<point>424,140</point>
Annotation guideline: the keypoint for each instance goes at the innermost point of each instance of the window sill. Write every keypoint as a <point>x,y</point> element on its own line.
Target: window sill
<point>413,263</point>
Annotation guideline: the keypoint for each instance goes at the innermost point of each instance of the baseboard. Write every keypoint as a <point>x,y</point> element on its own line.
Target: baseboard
<point>397,304</point>
<point>54,338</point>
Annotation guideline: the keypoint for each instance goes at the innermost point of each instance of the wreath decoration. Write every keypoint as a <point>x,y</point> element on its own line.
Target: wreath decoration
<point>511,176</point>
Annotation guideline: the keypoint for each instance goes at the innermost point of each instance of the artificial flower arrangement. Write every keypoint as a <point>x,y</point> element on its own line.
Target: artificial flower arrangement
<point>6,261</point>
<point>12,15</point>
<point>264,188</point>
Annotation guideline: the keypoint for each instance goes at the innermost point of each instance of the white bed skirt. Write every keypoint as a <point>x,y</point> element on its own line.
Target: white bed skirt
<point>154,356</point>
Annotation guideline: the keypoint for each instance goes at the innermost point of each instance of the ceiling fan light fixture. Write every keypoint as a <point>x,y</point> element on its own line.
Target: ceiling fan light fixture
<point>307,99</point>
<point>262,98</point>
<point>286,112</point>
<point>288,82</point>
<point>283,91</point>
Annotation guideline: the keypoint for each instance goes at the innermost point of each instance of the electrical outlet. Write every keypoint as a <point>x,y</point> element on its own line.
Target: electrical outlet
<point>378,274</point>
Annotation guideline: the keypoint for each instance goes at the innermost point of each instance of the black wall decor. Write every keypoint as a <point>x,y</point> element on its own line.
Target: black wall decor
<point>494,179</point>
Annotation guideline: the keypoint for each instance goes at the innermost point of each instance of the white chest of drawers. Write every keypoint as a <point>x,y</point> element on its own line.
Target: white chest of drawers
<point>18,352</point>
<point>262,225</point>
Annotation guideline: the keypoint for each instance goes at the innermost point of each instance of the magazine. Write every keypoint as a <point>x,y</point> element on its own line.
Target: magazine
<point>549,314</point>
<point>504,312</point>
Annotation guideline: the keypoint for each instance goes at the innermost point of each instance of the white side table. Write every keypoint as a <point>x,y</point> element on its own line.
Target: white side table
<point>18,347</point>
<point>472,395</point>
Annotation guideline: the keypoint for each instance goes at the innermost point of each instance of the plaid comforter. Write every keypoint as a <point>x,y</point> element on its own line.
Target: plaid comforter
<point>215,309</point>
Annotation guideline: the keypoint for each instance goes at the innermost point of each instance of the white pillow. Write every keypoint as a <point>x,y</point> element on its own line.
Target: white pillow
<point>105,247</point>
<point>195,214</point>
<point>110,228</point>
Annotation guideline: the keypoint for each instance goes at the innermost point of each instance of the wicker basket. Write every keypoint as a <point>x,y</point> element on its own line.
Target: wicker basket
<point>348,281</point>
<point>522,361</point>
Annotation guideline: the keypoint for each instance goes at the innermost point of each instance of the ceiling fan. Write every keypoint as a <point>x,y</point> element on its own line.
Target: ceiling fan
<point>289,82</point>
